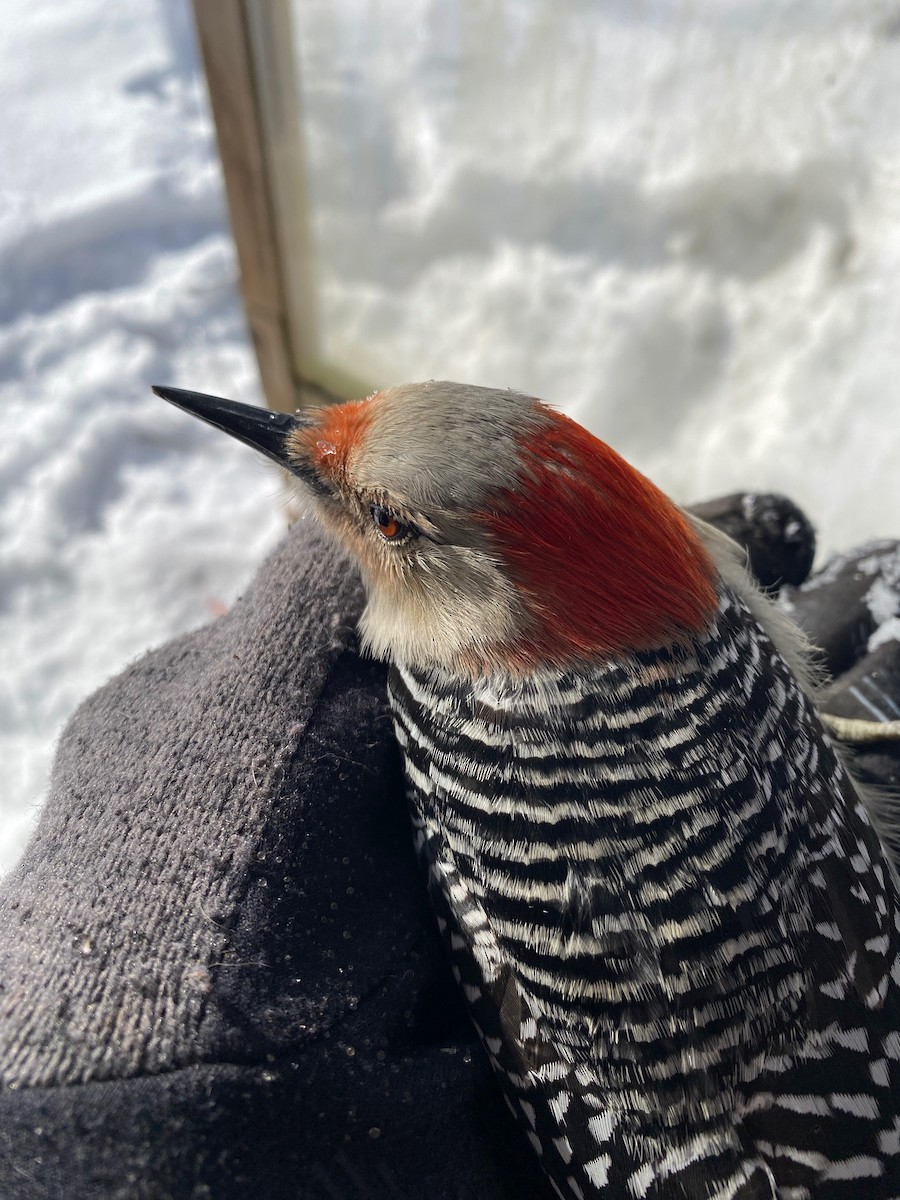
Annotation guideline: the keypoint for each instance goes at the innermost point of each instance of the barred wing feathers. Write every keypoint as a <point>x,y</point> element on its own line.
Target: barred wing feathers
<point>672,921</point>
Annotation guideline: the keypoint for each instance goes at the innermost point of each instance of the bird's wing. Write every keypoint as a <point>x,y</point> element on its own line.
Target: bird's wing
<point>585,1148</point>
<point>855,940</point>
<point>824,1108</point>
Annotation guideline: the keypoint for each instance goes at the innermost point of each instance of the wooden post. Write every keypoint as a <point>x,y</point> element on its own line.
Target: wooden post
<point>223,30</point>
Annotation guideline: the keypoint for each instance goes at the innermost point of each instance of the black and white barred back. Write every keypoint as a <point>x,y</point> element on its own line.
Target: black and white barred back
<point>674,925</point>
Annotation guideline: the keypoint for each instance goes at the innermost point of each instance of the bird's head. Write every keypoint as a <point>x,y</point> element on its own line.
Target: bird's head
<point>492,532</point>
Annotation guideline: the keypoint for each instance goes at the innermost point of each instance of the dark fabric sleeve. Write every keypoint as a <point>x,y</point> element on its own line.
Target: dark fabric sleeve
<point>218,973</point>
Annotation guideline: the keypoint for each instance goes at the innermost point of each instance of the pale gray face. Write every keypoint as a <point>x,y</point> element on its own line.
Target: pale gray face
<point>446,445</point>
<point>425,457</point>
<point>400,479</point>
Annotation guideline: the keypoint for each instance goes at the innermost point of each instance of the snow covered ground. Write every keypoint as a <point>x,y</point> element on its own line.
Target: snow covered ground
<point>689,236</point>
<point>121,521</point>
<point>679,222</point>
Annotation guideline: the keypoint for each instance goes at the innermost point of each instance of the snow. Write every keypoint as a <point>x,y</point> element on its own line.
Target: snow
<point>121,521</point>
<point>679,224</point>
<point>887,631</point>
<point>682,228</point>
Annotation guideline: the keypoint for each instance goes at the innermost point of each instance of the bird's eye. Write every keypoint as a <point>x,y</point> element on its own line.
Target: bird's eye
<point>388,525</point>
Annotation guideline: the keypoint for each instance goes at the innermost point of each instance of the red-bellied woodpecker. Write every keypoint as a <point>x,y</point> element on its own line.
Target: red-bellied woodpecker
<point>667,907</point>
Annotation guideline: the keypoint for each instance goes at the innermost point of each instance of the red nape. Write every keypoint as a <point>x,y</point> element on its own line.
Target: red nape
<point>607,563</point>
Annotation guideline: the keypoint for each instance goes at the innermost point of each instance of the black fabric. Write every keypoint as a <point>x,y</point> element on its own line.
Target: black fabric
<point>869,691</point>
<point>778,536</point>
<point>315,1126</point>
<point>220,976</point>
<point>836,605</point>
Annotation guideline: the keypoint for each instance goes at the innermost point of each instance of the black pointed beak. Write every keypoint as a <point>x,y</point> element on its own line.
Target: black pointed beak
<point>266,431</point>
<point>260,428</point>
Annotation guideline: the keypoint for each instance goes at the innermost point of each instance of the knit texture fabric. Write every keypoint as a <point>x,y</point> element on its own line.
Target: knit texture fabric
<point>218,972</point>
